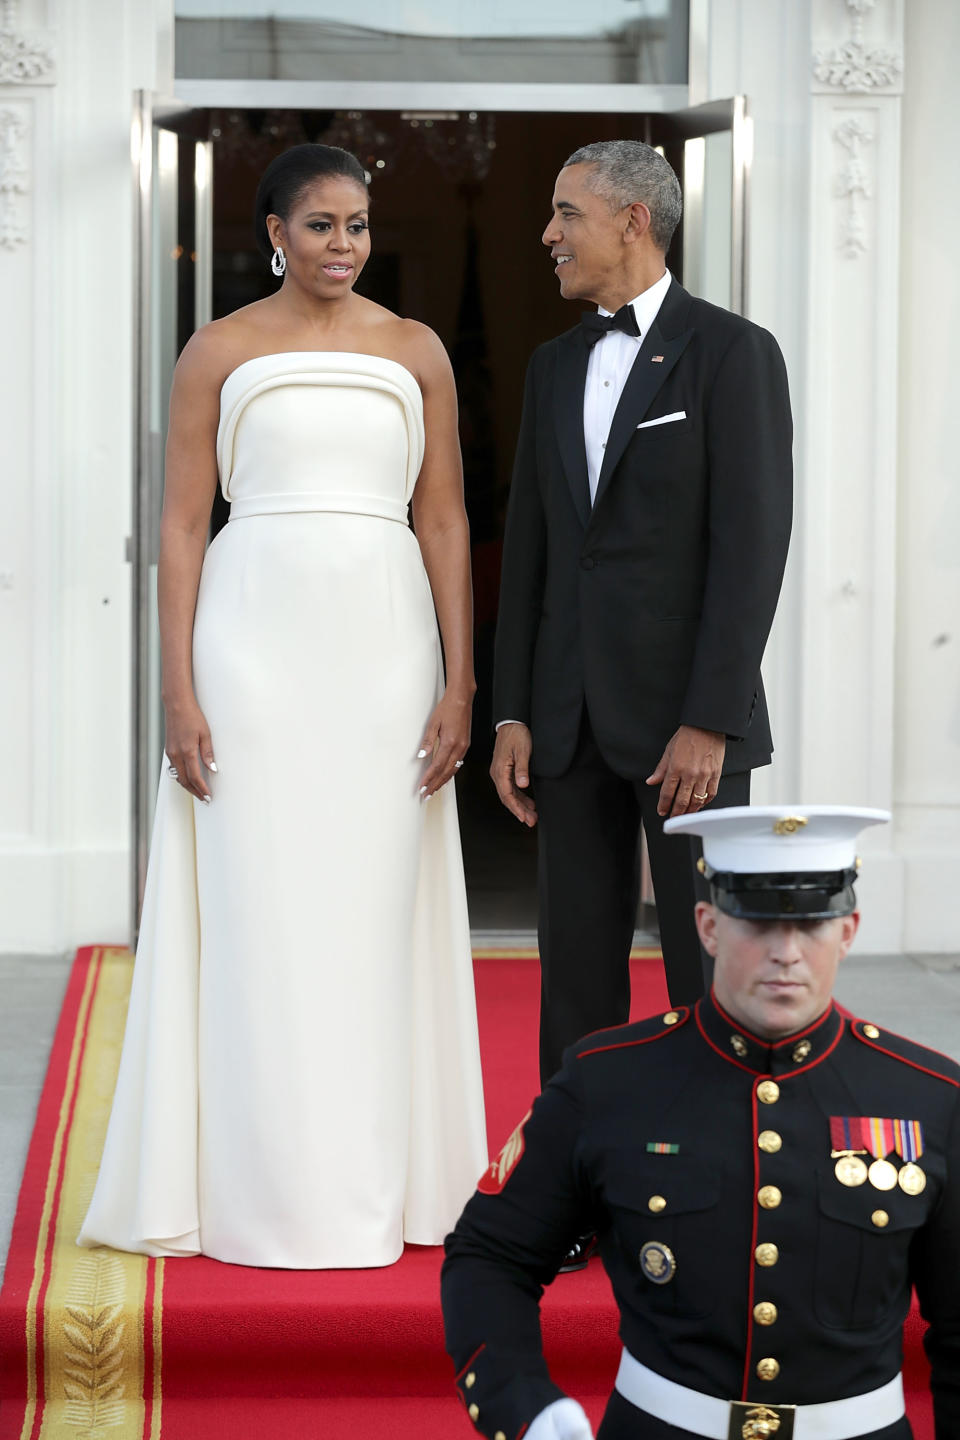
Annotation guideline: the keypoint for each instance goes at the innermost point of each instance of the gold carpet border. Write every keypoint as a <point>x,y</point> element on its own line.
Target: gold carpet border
<point>530,952</point>
<point>95,1326</point>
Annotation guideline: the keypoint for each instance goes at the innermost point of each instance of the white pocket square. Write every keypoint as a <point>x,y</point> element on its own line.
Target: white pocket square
<point>663,419</point>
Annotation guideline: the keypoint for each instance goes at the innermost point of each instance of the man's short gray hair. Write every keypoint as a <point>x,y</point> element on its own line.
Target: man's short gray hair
<point>625,171</point>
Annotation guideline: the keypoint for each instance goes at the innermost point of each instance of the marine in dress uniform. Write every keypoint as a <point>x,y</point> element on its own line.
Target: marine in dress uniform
<point>764,1201</point>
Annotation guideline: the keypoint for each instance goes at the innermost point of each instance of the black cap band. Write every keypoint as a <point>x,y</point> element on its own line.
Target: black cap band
<point>799,895</point>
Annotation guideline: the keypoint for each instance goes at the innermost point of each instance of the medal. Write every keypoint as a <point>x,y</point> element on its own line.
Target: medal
<point>908,1142</point>
<point>850,1170</point>
<point>882,1175</point>
<point>911,1179</point>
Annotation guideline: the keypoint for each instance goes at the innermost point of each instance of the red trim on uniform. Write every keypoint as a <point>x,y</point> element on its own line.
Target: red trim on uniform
<point>774,1044</point>
<point>625,1044</point>
<point>753,1245</point>
<point>947,1079</point>
<point>818,1059</point>
<point>814,1025</point>
<point>456,1378</point>
<point>522,1431</point>
<point>722,1053</point>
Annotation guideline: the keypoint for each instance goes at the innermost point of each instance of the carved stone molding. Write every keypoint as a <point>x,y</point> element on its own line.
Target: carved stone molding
<point>854,66</point>
<point>24,59</point>
<point>14,181</point>
<point>852,184</point>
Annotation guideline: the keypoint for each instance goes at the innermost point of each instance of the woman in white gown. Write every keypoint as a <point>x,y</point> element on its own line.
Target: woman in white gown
<point>300,1080</point>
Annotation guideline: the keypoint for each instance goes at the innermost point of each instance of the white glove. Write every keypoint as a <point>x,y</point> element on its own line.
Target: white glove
<point>563,1420</point>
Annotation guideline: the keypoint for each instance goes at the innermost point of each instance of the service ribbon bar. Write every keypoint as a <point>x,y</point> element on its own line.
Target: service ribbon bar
<point>662,1147</point>
<point>877,1135</point>
<point>908,1139</point>
<point>846,1132</point>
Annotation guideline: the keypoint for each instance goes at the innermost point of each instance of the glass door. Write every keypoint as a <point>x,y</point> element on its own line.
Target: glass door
<point>173,176</point>
<point>710,147</point>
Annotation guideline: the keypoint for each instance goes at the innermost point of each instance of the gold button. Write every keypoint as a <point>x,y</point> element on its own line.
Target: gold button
<point>871,1032</point>
<point>765,1313</point>
<point>738,1045</point>
<point>880,1218</point>
<point>767,1254</point>
<point>471,1380</point>
<point>701,866</point>
<point>671,1017</point>
<point>769,1197</point>
<point>769,1141</point>
<point>801,1050</point>
<point>768,1092</point>
<point>474,1412</point>
<point>656,1203</point>
<point>499,1436</point>
<point>768,1368</point>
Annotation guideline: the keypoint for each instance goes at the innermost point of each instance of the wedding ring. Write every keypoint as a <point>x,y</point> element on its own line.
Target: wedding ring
<point>172,770</point>
<point>701,797</point>
<point>458,764</point>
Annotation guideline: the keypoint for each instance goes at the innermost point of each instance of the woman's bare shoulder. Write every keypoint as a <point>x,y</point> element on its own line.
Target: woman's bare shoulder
<point>415,346</point>
<point>216,349</point>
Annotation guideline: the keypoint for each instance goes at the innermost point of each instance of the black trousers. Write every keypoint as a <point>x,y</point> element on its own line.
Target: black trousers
<point>588,888</point>
<point>622,1421</point>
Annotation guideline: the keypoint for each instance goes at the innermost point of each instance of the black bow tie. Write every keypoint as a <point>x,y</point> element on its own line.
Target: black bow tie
<point>596,326</point>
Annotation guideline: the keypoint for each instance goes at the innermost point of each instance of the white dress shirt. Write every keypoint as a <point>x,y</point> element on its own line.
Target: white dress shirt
<point>611,360</point>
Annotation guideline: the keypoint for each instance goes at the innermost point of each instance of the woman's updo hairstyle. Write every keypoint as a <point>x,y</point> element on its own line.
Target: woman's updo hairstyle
<point>286,178</point>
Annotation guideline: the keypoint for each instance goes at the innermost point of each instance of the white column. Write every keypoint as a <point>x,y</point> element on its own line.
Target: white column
<point>68,71</point>
<point>927,666</point>
<point>823,82</point>
<point>847,515</point>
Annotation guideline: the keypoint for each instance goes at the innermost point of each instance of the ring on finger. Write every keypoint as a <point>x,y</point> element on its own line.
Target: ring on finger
<point>704,796</point>
<point>172,770</point>
<point>458,764</point>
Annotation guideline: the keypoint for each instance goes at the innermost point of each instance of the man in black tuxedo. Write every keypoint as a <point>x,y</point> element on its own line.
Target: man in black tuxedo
<point>645,544</point>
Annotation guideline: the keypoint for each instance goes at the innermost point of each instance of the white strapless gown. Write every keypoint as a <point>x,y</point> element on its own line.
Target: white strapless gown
<point>300,1082</point>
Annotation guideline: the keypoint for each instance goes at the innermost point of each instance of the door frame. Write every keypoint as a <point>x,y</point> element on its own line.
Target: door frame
<point>151,110</point>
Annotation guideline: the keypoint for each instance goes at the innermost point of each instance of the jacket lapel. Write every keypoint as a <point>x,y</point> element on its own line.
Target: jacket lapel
<point>661,349</point>
<point>568,415</point>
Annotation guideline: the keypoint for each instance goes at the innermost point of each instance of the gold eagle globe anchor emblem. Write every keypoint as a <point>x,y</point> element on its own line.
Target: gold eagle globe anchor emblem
<point>760,1423</point>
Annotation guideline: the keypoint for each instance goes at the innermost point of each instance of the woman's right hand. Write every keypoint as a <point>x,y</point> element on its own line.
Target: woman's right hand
<point>189,747</point>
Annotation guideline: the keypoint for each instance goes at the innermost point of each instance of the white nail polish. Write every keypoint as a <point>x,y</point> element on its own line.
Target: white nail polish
<point>206,799</point>
<point>421,754</point>
<point>423,789</point>
<point>213,766</point>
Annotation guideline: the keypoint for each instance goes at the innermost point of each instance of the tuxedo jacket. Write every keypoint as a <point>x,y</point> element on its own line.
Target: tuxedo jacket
<point>654,605</point>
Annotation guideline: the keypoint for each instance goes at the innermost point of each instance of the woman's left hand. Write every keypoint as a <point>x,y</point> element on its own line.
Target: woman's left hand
<point>446,740</point>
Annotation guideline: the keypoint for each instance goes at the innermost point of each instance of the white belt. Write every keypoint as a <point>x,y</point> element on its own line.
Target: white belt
<point>383,507</point>
<point>711,1417</point>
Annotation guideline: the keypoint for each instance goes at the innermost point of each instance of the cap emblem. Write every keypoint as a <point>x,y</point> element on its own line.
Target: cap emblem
<point>789,824</point>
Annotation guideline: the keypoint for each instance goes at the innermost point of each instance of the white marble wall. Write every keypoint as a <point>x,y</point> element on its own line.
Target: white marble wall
<point>68,69</point>
<point>926,713</point>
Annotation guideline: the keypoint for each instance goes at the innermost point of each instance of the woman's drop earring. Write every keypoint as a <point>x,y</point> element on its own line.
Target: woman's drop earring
<point>279,262</point>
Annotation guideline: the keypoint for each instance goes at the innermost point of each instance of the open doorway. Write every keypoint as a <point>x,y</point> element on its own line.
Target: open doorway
<point>459,201</point>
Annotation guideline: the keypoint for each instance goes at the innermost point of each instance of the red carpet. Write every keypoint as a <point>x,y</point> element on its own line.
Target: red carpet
<point>194,1350</point>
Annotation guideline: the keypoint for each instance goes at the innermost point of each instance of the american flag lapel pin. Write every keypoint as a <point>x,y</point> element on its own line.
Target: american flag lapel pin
<point>656,359</point>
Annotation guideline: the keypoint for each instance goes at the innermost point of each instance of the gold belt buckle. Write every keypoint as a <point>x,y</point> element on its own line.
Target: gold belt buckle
<point>752,1420</point>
